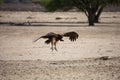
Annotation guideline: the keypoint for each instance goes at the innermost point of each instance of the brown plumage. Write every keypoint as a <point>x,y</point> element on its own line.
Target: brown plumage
<point>53,38</point>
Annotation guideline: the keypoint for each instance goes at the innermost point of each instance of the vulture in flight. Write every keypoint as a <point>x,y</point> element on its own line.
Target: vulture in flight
<point>53,38</point>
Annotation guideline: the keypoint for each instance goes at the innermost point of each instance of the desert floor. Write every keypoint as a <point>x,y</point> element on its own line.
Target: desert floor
<point>94,56</point>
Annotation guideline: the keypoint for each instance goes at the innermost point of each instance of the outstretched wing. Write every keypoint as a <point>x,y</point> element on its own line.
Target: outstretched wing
<point>48,35</point>
<point>36,39</point>
<point>72,35</point>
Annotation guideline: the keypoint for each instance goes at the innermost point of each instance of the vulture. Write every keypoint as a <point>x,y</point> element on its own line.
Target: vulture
<point>53,38</point>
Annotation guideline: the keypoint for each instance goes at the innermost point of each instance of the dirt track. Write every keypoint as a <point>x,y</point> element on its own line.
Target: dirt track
<point>23,60</point>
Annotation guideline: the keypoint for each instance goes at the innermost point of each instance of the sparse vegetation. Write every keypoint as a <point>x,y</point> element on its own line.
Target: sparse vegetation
<point>36,1</point>
<point>53,5</point>
<point>1,1</point>
<point>91,8</point>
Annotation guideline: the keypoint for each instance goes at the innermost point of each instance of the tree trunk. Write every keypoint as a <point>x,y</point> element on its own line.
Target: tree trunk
<point>97,16</point>
<point>96,19</point>
<point>91,17</point>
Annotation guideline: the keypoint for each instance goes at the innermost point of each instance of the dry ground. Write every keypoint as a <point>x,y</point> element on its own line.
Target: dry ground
<point>21,59</point>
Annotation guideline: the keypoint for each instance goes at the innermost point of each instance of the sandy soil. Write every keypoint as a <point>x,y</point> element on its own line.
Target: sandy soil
<point>90,69</point>
<point>21,59</point>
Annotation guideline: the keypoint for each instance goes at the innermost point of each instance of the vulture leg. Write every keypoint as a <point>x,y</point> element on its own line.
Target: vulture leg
<point>52,48</point>
<point>53,44</point>
<point>55,48</point>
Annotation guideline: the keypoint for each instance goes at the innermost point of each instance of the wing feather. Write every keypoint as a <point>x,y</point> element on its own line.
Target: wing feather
<point>47,41</point>
<point>36,39</point>
<point>72,35</point>
<point>48,35</point>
